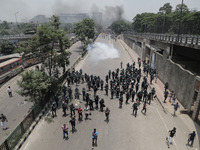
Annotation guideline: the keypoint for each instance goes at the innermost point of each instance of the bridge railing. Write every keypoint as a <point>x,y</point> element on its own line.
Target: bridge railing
<point>8,37</point>
<point>183,38</point>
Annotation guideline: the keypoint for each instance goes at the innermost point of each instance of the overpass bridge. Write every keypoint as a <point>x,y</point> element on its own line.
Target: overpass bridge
<point>186,40</point>
<point>177,61</point>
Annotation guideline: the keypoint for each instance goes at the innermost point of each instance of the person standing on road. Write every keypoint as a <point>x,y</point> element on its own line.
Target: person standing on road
<point>107,113</point>
<point>3,121</point>
<point>10,92</point>
<point>53,109</point>
<point>87,111</point>
<point>94,137</point>
<point>80,115</point>
<point>172,133</point>
<point>65,131</point>
<point>73,123</point>
<point>72,109</point>
<point>135,108</point>
<point>191,137</point>
<point>64,107</point>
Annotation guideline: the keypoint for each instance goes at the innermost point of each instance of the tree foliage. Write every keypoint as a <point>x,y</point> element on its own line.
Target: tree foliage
<point>168,21</point>
<point>85,30</point>
<point>6,47</point>
<point>34,85</point>
<point>120,26</point>
<point>43,43</point>
<point>166,9</point>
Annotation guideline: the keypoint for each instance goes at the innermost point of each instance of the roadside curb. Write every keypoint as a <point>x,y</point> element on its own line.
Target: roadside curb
<point>44,110</point>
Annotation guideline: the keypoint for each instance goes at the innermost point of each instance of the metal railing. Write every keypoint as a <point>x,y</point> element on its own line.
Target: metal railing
<point>174,38</point>
<point>14,37</point>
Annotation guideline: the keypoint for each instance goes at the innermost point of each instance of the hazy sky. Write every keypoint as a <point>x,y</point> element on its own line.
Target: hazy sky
<point>28,8</point>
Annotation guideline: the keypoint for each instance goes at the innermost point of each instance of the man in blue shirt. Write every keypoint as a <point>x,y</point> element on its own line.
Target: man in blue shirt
<point>94,138</point>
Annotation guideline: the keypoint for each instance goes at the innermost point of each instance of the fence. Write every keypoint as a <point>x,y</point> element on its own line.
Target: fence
<point>19,131</point>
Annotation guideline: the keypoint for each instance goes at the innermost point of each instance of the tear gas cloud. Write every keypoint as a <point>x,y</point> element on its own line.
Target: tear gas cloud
<point>102,51</point>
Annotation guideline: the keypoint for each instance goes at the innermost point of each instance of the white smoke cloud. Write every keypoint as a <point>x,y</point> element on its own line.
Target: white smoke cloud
<point>101,51</point>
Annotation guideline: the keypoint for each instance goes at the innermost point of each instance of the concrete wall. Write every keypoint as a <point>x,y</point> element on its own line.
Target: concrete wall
<point>181,81</point>
<point>133,44</point>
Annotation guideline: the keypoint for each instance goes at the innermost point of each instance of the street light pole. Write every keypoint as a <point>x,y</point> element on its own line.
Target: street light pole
<point>179,25</point>
<point>16,17</point>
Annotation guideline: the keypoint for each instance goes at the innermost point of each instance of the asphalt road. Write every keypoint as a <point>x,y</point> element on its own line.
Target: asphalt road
<point>16,108</point>
<point>123,131</point>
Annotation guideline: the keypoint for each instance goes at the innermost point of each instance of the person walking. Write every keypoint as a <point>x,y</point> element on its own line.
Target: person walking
<point>191,137</point>
<point>166,93</point>
<point>3,121</point>
<point>65,131</point>
<point>107,113</point>
<point>94,138</point>
<point>172,133</point>
<point>144,108</point>
<point>176,106</point>
<point>10,92</point>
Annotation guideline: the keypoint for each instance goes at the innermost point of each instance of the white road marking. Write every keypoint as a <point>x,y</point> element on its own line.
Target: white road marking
<point>162,120</point>
<point>26,146</point>
<point>166,126</point>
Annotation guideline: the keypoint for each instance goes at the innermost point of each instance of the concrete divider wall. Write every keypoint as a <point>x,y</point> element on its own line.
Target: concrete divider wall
<point>181,81</point>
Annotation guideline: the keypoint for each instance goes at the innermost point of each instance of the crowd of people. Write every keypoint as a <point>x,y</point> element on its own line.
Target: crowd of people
<point>126,84</point>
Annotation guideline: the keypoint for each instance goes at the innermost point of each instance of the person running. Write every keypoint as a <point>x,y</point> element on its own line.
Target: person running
<point>3,121</point>
<point>107,113</point>
<point>94,137</point>
<point>65,131</point>
<point>172,133</point>
<point>191,137</point>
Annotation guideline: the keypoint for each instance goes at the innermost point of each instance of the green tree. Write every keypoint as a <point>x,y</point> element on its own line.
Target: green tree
<point>166,9</point>
<point>43,44</point>
<point>120,26</point>
<point>7,47</point>
<point>34,85</point>
<point>183,8</point>
<point>85,31</point>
